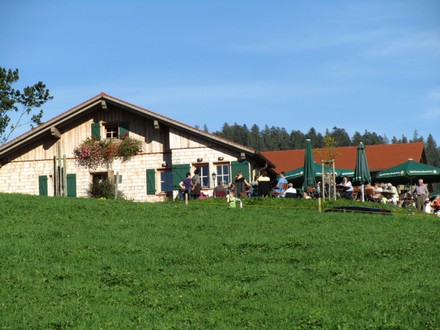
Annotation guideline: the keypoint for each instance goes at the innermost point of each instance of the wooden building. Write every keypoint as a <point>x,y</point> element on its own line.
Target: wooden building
<point>42,160</point>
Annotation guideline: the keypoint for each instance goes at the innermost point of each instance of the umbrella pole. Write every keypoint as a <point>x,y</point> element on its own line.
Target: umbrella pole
<point>363,195</point>
<point>323,181</point>
<point>334,181</point>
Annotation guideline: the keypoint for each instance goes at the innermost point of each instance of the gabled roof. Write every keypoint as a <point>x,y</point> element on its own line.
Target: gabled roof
<point>102,98</point>
<point>379,156</point>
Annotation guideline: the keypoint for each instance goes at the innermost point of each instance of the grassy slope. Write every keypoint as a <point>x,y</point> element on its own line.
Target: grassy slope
<point>76,263</point>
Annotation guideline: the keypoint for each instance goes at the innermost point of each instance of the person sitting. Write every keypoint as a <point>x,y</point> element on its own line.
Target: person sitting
<point>263,184</point>
<point>281,185</point>
<point>306,195</point>
<point>348,191</point>
<point>394,197</point>
<point>220,190</point>
<point>290,192</point>
<point>435,205</point>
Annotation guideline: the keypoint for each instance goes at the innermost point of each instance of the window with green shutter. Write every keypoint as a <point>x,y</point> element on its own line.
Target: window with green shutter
<point>123,129</point>
<point>179,173</point>
<point>151,181</point>
<point>96,131</point>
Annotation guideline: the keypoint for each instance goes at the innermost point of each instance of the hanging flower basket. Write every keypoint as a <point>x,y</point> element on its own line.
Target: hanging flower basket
<point>93,153</point>
<point>128,147</point>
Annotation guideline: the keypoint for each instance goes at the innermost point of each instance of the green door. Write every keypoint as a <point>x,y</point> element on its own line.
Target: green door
<point>179,173</point>
<point>42,185</point>
<point>241,166</point>
<point>71,185</point>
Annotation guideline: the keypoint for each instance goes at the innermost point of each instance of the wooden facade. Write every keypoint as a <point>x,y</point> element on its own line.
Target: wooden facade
<point>33,162</point>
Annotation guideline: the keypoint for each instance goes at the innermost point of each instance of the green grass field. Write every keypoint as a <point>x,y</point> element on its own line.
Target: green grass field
<point>276,264</point>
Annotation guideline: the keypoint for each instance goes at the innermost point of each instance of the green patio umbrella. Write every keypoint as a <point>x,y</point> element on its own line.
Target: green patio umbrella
<point>409,171</point>
<point>309,168</point>
<point>298,174</point>
<point>362,173</point>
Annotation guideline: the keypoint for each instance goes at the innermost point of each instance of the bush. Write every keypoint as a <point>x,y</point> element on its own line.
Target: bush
<point>103,189</point>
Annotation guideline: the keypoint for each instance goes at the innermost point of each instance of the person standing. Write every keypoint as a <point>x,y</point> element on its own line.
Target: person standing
<point>421,193</point>
<point>185,186</point>
<point>231,200</point>
<point>241,186</point>
<point>196,184</point>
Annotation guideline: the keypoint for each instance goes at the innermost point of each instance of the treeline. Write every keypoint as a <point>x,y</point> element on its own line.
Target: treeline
<point>276,138</point>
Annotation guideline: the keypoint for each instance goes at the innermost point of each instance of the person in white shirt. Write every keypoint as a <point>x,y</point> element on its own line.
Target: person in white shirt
<point>348,192</point>
<point>290,192</point>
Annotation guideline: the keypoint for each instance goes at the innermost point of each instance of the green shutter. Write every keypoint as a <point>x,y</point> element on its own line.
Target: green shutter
<point>42,184</point>
<point>123,129</point>
<point>151,182</point>
<point>179,173</point>
<point>241,166</point>
<point>96,131</point>
<point>71,185</point>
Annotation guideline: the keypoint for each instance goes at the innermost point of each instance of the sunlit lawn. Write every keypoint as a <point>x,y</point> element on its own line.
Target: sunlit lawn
<point>81,263</point>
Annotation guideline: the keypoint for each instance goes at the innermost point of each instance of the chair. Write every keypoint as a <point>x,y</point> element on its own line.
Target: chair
<point>264,188</point>
<point>220,194</point>
<point>282,190</point>
<point>291,195</point>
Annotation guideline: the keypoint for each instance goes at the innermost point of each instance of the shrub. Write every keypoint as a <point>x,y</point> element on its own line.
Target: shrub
<point>103,189</point>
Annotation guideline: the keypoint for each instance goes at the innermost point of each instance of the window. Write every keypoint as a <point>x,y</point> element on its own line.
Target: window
<point>116,130</point>
<point>100,176</point>
<point>223,173</point>
<point>204,174</point>
<point>166,181</point>
<point>111,130</point>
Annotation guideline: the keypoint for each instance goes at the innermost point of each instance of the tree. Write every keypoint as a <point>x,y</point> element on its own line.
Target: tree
<point>11,99</point>
<point>255,138</point>
<point>341,137</point>
<point>330,145</point>
<point>432,152</point>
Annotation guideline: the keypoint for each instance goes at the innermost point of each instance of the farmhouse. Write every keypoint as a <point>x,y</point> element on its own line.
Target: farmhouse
<point>42,160</point>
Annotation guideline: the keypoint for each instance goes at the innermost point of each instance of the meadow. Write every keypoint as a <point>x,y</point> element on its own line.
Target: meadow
<point>274,264</point>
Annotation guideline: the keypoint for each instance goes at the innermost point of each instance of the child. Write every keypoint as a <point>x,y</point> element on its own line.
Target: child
<point>230,199</point>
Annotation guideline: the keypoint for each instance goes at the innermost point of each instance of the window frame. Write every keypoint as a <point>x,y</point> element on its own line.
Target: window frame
<point>204,167</point>
<point>112,128</point>
<point>169,174</point>
<point>221,176</point>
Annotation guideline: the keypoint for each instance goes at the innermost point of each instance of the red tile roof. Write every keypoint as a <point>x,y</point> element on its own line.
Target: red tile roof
<point>379,156</point>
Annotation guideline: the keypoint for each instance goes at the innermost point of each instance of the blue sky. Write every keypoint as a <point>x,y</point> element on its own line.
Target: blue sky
<point>357,65</point>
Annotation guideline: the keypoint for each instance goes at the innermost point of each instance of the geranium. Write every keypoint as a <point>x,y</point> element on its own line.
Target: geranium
<point>109,151</point>
<point>128,147</point>
<point>88,153</point>
<point>93,153</point>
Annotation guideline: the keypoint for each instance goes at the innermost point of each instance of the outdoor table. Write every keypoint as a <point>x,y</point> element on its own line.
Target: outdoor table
<point>340,187</point>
